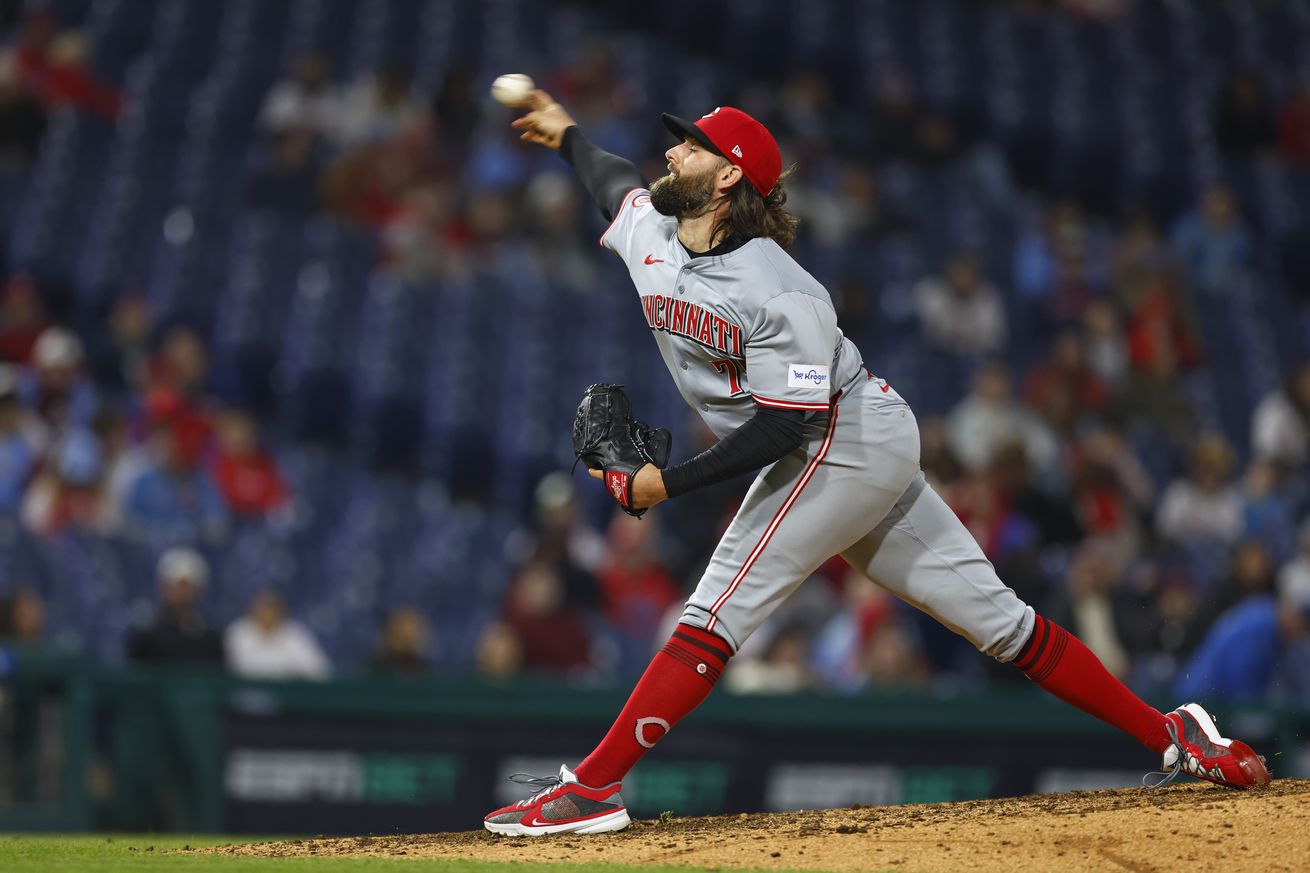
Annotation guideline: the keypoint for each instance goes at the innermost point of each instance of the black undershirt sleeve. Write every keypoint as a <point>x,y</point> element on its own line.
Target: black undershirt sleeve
<point>763,439</point>
<point>606,177</point>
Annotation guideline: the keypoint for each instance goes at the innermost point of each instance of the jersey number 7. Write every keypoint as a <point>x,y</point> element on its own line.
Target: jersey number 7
<point>729,366</point>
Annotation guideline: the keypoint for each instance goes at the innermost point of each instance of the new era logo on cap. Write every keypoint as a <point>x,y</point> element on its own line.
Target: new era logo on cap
<point>731,132</point>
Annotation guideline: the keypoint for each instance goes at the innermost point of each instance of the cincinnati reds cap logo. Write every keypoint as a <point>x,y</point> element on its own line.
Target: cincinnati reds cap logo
<point>641,728</point>
<point>715,111</point>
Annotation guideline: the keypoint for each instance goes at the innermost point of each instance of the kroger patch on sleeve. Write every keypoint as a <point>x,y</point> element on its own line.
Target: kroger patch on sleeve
<point>807,376</point>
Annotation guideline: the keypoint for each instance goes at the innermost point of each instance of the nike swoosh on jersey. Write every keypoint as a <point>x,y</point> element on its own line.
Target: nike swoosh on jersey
<point>653,260</point>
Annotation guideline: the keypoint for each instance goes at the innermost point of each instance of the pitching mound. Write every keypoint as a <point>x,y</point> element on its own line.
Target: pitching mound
<point>1128,829</point>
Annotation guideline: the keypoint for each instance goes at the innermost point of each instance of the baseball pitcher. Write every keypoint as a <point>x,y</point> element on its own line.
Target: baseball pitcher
<point>753,343</point>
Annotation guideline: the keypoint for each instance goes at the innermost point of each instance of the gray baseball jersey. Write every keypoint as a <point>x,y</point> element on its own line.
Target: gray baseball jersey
<point>750,326</point>
<point>737,329</point>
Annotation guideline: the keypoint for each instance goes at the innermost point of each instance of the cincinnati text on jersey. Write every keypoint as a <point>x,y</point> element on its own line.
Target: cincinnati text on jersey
<point>694,322</point>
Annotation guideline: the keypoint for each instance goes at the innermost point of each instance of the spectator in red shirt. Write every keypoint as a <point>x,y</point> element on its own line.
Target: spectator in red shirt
<point>1161,317</point>
<point>177,380</point>
<point>22,319</point>
<point>246,474</point>
<point>416,241</point>
<point>552,635</point>
<point>983,508</point>
<point>64,80</point>
<point>1067,369</point>
<point>1103,507</point>
<point>1294,128</point>
<point>635,587</point>
<point>32,49</point>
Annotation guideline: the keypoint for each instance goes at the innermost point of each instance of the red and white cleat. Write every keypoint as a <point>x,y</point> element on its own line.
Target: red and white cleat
<point>1200,751</point>
<point>562,806</point>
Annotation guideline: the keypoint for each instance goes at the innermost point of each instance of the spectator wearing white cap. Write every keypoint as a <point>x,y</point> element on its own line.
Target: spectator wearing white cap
<point>57,390</point>
<point>179,633</point>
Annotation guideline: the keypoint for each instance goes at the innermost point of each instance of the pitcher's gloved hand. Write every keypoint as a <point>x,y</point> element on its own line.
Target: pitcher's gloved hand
<point>615,447</point>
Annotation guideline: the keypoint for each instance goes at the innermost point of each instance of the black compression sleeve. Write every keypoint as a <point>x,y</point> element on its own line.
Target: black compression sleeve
<point>606,177</point>
<point>766,437</point>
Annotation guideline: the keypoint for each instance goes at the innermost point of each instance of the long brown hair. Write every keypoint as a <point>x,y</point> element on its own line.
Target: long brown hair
<point>750,215</point>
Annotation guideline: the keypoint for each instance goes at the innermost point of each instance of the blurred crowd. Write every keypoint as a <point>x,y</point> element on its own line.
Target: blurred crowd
<point>1068,432</point>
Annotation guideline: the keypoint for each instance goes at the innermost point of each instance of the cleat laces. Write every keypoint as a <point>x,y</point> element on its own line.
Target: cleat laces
<point>1164,777</point>
<point>546,784</point>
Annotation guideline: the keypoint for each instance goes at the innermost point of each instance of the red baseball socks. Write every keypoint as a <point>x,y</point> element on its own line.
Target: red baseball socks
<point>681,675</point>
<point>1059,662</point>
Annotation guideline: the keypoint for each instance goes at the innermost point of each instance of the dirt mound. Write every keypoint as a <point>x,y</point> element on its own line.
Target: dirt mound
<point>1128,829</point>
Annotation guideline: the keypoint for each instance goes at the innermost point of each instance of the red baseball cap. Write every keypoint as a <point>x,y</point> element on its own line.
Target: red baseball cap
<point>739,138</point>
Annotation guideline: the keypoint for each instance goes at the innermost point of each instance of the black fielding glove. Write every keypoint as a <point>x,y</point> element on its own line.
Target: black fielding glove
<point>606,438</point>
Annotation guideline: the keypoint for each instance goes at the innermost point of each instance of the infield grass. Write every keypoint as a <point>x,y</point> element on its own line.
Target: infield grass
<point>129,854</point>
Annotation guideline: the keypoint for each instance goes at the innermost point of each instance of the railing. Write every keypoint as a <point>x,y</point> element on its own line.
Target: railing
<point>85,747</point>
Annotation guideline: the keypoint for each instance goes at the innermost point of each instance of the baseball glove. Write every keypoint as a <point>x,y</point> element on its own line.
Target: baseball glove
<point>605,437</point>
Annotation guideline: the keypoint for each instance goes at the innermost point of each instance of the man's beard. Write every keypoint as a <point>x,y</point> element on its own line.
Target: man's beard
<point>682,196</point>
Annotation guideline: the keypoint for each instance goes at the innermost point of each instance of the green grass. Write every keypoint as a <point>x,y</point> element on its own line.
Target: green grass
<point>112,854</point>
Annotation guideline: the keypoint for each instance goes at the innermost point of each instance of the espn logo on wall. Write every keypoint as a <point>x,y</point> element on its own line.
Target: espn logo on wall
<point>339,776</point>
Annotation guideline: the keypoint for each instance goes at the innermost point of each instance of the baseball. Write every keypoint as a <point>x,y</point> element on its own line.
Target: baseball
<point>512,89</point>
